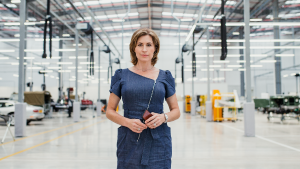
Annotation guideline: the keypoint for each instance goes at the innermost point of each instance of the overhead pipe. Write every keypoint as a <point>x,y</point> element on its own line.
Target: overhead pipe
<point>123,29</point>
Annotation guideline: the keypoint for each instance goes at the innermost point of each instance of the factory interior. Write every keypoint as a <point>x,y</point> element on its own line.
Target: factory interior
<point>233,63</point>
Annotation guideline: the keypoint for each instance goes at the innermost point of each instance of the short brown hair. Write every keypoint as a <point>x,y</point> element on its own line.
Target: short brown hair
<point>136,35</point>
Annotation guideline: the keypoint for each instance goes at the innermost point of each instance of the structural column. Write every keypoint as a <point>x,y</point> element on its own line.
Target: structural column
<point>60,60</point>
<point>208,103</point>
<point>99,105</point>
<point>249,110</point>
<point>20,107</point>
<point>242,73</point>
<point>277,65</point>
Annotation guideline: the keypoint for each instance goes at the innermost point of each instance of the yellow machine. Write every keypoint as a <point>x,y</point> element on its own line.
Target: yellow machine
<point>217,112</point>
<point>188,103</point>
<point>202,105</point>
<point>220,105</point>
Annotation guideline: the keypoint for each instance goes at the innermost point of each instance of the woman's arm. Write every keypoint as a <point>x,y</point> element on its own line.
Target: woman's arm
<point>134,124</point>
<point>173,115</point>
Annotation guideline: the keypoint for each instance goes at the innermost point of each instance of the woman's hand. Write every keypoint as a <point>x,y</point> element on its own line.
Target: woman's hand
<point>155,121</point>
<point>136,125</point>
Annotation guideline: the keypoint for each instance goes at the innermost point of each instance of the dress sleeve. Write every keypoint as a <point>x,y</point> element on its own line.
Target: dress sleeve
<point>115,85</point>
<point>170,87</point>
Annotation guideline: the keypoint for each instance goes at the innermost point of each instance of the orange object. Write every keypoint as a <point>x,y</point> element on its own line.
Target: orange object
<point>187,103</point>
<point>103,109</point>
<point>217,112</point>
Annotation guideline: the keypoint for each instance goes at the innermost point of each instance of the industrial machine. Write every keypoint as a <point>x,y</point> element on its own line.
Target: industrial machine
<point>222,105</point>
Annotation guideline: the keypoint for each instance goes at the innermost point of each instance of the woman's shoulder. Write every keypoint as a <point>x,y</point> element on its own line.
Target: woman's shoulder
<point>167,76</point>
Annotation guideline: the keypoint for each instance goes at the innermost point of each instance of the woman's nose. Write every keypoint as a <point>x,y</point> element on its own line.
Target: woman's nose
<point>144,48</point>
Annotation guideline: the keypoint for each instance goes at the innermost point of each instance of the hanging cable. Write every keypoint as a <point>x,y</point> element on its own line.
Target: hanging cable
<point>48,19</point>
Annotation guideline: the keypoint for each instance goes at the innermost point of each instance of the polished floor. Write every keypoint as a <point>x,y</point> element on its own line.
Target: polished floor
<point>61,144</point>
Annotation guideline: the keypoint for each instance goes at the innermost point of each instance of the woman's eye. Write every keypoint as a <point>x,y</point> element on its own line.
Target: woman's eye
<point>149,45</point>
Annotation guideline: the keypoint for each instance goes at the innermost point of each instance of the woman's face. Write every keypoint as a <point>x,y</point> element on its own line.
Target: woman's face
<point>144,49</point>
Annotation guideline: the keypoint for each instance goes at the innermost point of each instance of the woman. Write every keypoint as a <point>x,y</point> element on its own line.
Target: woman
<point>143,87</point>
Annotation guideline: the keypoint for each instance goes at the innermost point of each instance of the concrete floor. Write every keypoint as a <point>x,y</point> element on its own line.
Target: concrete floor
<point>91,143</point>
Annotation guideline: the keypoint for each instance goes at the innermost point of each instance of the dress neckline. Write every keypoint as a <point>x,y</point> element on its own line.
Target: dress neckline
<point>145,76</point>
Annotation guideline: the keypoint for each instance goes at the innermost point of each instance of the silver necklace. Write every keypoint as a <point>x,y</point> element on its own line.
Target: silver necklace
<point>142,69</point>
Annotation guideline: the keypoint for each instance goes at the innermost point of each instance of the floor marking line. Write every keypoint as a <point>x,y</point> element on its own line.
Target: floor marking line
<point>49,141</point>
<point>265,139</point>
<point>44,132</point>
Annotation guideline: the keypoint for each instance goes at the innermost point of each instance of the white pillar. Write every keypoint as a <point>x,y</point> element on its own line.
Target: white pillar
<point>76,111</point>
<point>99,105</point>
<point>208,107</point>
<point>20,119</point>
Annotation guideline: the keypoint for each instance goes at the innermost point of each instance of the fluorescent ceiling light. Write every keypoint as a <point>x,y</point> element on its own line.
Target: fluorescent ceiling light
<point>199,62</point>
<point>54,67</point>
<point>64,71</point>
<point>284,55</point>
<point>79,57</point>
<point>79,44</point>
<point>83,70</point>
<point>46,71</point>
<point>221,61</point>
<point>242,69</point>
<point>65,50</point>
<point>176,26</point>
<point>243,61</point>
<point>15,75</point>
<point>188,70</point>
<point>41,40</point>
<point>236,33</point>
<point>285,75</point>
<point>293,74</point>
<point>101,70</point>
<point>41,63</point>
<point>186,20</point>
<point>214,65</point>
<point>233,56</point>
<point>258,55</point>
<point>74,67</point>
<point>256,66</point>
<point>206,70</point>
<point>256,20</point>
<point>6,51</point>
<point>64,63</point>
<point>268,61</point>
<point>37,68</point>
<point>52,76</point>
<point>54,57</point>
<point>192,66</point>
<point>234,65</point>
<point>4,58</point>
<point>9,40</point>
<point>224,70</point>
<point>33,50</point>
<point>203,56</point>
<point>16,1</point>
<point>66,35</point>
<point>16,63</point>
<point>85,63</point>
<point>118,20</point>
<point>29,58</point>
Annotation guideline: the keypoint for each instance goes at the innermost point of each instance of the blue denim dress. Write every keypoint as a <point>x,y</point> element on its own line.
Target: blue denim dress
<point>153,149</point>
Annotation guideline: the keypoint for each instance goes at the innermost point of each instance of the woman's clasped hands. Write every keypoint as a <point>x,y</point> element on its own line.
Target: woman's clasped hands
<point>153,122</point>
